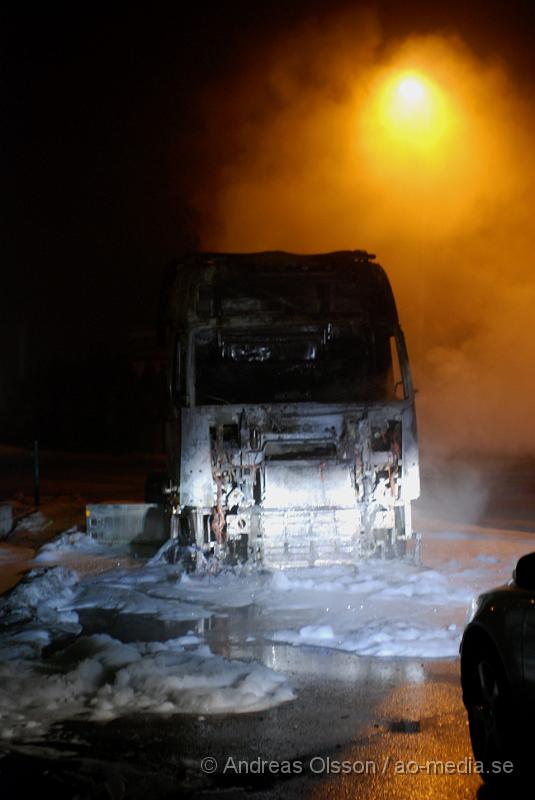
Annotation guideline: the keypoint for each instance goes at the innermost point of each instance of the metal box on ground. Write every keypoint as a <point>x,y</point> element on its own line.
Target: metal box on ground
<point>126,523</point>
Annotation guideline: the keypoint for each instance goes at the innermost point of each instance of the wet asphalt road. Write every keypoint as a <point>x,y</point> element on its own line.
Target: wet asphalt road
<point>358,728</point>
<point>391,724</point>
<point>368,717</point>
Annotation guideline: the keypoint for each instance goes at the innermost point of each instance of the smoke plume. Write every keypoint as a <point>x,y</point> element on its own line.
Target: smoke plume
<point>303,160</point>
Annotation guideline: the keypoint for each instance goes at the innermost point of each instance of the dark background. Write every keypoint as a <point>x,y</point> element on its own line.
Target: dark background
<point>105,143</point>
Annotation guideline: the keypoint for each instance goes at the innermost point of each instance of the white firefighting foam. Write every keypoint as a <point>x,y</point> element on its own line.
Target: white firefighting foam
<point>380,608</point>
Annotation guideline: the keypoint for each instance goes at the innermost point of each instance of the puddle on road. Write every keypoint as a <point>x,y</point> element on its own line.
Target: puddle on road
<point>240,634</point>
<point>132,627</point>
<point>220,634</point>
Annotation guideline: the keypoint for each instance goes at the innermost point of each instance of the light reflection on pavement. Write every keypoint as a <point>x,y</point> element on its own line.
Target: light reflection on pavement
<point>429,737</point>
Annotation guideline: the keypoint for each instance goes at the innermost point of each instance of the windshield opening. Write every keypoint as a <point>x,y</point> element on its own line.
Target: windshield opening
<point>342,362</point>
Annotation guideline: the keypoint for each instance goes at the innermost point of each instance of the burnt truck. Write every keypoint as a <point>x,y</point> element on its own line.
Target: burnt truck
<point>291,437</point>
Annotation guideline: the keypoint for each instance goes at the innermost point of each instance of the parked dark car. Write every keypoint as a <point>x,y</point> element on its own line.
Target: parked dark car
<point>498,675</point>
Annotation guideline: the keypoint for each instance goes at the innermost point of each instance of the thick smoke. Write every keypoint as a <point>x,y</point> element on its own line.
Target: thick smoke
<point>304,163</point>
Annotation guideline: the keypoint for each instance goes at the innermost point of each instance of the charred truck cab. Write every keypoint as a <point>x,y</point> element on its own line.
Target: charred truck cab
<point>291,437</point>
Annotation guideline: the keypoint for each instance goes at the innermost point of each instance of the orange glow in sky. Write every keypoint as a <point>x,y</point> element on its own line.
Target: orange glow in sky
<point>421,152</point>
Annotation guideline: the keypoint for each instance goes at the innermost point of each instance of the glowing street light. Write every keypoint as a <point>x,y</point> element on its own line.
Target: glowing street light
<point>420,143</point>
<point>412,112</point>
<point>411,91</point>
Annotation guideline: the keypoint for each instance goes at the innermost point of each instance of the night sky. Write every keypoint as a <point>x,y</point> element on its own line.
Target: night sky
<point>108,139</point>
